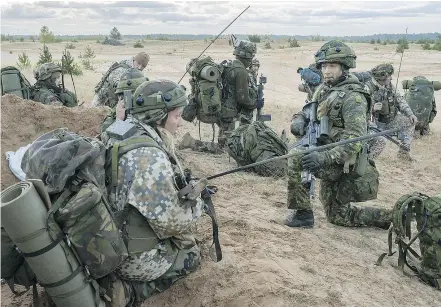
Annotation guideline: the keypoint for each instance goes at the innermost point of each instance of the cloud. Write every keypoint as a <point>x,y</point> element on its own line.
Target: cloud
<point>302,18</point>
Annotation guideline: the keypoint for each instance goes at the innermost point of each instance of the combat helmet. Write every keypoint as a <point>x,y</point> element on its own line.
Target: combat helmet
<point>45,71</point>
<point>382,71</point>
<point>154,99</point>
<point>335,51</point>
<point>130,80</point>
<point>244,49</point>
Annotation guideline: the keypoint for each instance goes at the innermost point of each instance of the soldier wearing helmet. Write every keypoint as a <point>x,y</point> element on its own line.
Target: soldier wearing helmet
<point>105,89</point>
<point>346,174</point>
<point>146,184</point>
<point>236,98</point>
<point>390,109</point>
<point>130,80</point>
<point>48,88</point>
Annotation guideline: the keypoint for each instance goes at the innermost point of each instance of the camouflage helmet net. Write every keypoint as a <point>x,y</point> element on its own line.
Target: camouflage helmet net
<point>154,99</point>
<point>45,71</point>
<point>245,49</point>
<point>335,51</point>
<point>130,80</point>
<point>382,71</point>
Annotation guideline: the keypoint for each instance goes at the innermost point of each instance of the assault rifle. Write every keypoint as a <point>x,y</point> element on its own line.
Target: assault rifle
<point>315,130</point>
<point>306,151</point>
<point>261,101</point>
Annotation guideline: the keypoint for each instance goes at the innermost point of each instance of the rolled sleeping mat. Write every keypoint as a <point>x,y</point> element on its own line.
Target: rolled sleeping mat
<point>24,217</point>
<point>210,73</point>
<point>408,83</point>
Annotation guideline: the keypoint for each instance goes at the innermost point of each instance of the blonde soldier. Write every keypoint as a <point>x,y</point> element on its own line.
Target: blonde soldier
<point>148,181</point>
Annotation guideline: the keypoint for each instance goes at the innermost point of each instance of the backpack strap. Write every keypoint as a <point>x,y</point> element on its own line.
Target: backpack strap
<point>120,148</point>
<point>114,66</point>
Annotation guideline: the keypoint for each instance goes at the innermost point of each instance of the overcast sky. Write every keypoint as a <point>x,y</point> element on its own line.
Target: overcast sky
<point>269,17</point>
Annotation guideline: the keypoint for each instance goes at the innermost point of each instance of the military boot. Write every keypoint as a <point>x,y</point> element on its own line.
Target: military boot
<point>404,153</point>
<point>301,218</point>
<point>187,142</point>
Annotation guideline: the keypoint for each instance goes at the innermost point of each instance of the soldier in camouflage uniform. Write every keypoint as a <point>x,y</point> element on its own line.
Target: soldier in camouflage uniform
<point>105,89</point>
<point>148,181</point>
<point>47,89</point>
<point>236,98</point>
<point>390,110</point>
<point>130,80</point>
<point>343,99</point>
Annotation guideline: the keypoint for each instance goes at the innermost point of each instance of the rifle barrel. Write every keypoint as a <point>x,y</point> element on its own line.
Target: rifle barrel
<point>302,152</point>
<point>186,71</point>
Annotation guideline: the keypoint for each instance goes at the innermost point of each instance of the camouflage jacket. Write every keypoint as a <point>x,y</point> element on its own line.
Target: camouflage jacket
<point>236,93</point>
<point>105,94</point>
<point>46,95</point>
<point>346,105</point>
<point>147,182</point>
<point>392,101</point>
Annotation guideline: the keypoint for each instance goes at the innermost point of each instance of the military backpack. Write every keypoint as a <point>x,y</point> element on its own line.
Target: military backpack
<point>427,212</point>
<point>15,83</point>
<point>206,90</point>
<point>420,95</point>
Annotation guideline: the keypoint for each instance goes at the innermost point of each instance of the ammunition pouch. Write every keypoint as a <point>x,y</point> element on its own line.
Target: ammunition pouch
<point>355,188</point>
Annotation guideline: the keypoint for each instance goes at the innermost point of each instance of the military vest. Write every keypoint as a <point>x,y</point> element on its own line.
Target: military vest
<point>331,103</point>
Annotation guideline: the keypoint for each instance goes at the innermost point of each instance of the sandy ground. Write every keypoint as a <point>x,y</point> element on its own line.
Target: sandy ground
<point>266,263</point>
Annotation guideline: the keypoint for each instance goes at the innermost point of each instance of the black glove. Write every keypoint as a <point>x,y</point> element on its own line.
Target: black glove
<point>314,161</point>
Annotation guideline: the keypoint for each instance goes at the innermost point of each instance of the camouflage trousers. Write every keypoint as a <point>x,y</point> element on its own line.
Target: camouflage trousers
<point>225,129</point>
<point>187,261</point>
<point>274,169</point>
<point>337,191</point>
<point>405,137</point>
<point>376,145</point>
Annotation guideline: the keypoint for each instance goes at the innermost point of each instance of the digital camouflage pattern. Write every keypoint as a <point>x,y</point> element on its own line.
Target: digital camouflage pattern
<point>105,90</point>
<point>74,165</point>
<point>45,71</point>
<point>347,108</point>
<point>245,49</point>
<point>49,95</point>
<point>381,71</point>
<point>255,142</point>
<point>427,213</point>
<point>146,182</point>
<point>335,51</point>
<point>395,113</point>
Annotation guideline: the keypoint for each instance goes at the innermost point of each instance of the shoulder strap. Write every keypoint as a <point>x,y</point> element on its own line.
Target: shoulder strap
<point>120,148</point>
<point>114,66</point>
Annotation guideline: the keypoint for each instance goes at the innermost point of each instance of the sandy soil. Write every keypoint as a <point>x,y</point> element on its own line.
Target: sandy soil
<point>266,263</point>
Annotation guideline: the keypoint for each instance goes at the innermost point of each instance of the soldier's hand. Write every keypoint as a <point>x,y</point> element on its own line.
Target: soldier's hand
<point>413,119</point>
<point>313,161</point>
<point>378,106</point>
<point>120,110</point>
<point>193,190</point>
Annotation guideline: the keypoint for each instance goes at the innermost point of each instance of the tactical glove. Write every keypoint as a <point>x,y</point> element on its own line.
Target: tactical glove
<point>298,124</point>
<point>314,161</point>
<point>193,190</point>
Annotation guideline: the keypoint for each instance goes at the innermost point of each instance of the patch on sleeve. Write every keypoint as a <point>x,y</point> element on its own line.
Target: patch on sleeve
<point>358,98</point>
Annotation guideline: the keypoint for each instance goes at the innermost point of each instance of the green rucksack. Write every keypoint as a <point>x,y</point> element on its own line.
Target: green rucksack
<point>14,82</point>
<point>72,169</point>
<point>419,96</point>
<point>427,213</point>
<point>206,90</point>
<point>254,142</point>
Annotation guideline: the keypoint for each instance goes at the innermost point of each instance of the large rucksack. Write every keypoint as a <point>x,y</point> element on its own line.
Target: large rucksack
<point>110,95</point>
<point>14,82</point>
<point>419,96</point>
<point>427,213</point>
<point>206,91</point>
<point>250,143</point>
